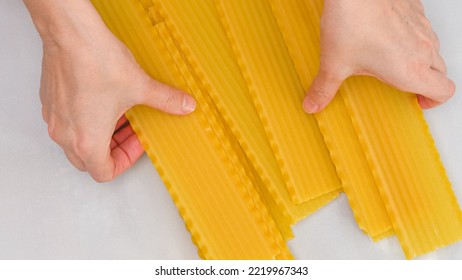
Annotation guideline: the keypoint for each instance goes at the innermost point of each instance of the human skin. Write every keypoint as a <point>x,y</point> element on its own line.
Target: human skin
<point>391,40</point>
<point>90,79</point>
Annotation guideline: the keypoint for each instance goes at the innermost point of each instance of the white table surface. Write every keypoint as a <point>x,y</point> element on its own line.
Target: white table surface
<point>49,210</point>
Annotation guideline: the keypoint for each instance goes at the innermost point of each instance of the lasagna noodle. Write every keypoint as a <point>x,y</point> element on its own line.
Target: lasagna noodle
<point>187,73</point>
<point>212,191</point>
<point>404,162</point>
<point>277,94</point>
<point>258,164</point>
<point>301,32</point>
<point>211,57</point>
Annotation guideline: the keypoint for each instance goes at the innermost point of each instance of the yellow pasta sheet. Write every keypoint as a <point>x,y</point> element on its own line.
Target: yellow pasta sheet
<point>187,72</point>
<point>212,59</point>
<point>277,94</point>
<point>301,32</point>
<point>203,174</point>
<point>403,158</point>
<point>248,163</point>
<point>404,161</point>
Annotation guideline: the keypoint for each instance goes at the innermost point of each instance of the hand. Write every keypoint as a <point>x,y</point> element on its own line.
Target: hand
<point>89,80</point>
<point>391,40</point>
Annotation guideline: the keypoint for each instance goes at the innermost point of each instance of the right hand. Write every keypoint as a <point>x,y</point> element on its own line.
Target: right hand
<point>391,40</point>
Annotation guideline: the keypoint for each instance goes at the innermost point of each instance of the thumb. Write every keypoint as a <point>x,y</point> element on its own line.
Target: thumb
<point>322,91</point>
<point>166,98</point>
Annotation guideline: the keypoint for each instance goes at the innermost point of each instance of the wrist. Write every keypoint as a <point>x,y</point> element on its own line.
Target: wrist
<point>64,23</point>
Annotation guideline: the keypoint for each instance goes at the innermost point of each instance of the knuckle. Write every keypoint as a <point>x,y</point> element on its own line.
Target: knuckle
<point>427,43</point>
<point>323,91</point>
<point>320,92</point>
<point>101,177</point>
<point>53,133</point>
<point>169,101</point>
<point>420,8</point>
<point>83,148</point>
<point>76,162</point>
<point>444,68</point>
<point>80,167</point>
<point>161,96</point>
<point>451,89</point>
<point>425,22</point>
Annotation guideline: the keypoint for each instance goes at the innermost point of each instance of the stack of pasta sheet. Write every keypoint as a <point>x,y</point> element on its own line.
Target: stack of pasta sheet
<point>249,163</point>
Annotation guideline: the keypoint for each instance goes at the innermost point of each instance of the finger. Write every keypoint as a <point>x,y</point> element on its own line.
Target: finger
<point>121,121</point>
<point>438,63</point>
<point>123,134</point>
<point>426,103</point>
<point>322,91</point>
<point>122,131</point>
<point>434,85</point>
<point>166,98</point>
<point>116,160</point>
<point>125,150</point>
<point>108,159</point>
<point>121,124</point>
<point>126,154</point>
<point>75,160</point>
<point>113,144</point>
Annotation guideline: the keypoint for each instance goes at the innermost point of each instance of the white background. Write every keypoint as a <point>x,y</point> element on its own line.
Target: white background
<point>49,210</point>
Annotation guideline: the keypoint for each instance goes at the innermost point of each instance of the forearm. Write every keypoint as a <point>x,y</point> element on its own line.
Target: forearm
<point>62,23</point>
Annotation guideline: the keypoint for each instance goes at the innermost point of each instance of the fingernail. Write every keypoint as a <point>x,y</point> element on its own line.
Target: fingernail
<point>189,104</point>
<point>309,106</point>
